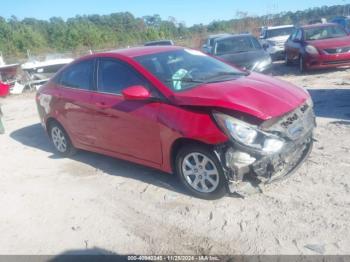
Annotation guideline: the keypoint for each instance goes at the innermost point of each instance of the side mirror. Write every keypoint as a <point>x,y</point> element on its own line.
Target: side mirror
<point>136,93</point>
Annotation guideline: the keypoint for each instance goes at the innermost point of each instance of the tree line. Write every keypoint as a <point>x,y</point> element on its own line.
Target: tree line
<point>124,29</point>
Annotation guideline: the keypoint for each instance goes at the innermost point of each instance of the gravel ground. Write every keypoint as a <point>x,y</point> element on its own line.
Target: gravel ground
<point>96,204</point>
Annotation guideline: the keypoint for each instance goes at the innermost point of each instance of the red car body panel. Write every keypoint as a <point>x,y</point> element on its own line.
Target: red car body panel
<point>257,95</point>
<point>323,59</point>
<point>4,89</point>
<point>145,132</point>
<point>327,61</point>
<point>330,43</point>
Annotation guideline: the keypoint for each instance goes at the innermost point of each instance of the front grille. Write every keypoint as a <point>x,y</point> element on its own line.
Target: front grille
<point>295,124</point>
<point>339,50</point>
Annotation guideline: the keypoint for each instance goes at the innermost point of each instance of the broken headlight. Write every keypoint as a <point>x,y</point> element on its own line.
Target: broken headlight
<point>247,134</point>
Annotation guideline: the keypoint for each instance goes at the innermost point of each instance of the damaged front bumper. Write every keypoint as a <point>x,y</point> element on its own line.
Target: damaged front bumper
<point>248,168</point>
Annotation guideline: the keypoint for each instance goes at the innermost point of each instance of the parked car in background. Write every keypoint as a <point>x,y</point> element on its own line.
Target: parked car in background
<point>159,42</point>
<point>209,42</point>
<point>343,21</point>
<point>181,111</point>
<point>318,46</point>
<point>243,50</point>
<point>273,38</point>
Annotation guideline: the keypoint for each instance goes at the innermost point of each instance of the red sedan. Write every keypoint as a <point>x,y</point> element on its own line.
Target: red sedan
<point>318,46</point>
<point>179,110</point>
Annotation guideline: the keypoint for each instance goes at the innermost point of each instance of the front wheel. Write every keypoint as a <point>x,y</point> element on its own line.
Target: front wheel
<point>200,172</point>
<point>286,59</point>
<point>302,66</point>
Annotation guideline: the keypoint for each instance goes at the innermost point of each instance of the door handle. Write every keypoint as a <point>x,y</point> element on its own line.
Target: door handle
<point>102,105</point>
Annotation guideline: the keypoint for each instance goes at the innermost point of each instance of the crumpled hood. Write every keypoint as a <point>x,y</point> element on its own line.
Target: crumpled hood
<point>258,95</point>
<point>331,42</point>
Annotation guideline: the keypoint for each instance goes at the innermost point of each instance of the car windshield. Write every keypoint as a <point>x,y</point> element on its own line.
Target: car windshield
<point>323,32</point>
<point>279,32</point>
<point>237,45</point>
<point>186,68</point>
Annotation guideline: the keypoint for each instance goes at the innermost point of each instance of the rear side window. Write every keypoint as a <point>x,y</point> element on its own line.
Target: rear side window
<point>114,76</point>
<point>79,75</point>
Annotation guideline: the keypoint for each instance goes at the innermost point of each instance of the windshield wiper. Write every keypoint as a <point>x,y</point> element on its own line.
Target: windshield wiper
<point>226,73</point>
<point>241,51</point>
<point>185,80</point>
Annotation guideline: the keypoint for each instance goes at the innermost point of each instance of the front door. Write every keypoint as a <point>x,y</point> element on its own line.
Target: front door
<point>125,127</point>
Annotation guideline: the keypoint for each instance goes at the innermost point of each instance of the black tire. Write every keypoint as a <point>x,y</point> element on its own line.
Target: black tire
<point>221,187</point>
<point>301,64</point>
<point>69,149</point>
<point>286,59</point>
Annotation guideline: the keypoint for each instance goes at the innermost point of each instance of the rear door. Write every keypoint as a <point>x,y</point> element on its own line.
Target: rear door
<point>125,127</point>
<point>75,84</point>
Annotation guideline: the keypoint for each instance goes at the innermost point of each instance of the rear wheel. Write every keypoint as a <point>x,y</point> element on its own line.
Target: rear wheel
<point>60,140</point>
<point>200,172</point>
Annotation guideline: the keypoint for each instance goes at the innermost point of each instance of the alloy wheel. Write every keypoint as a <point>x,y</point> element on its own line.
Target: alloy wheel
<point>59,139</point>
<point>200,172</point>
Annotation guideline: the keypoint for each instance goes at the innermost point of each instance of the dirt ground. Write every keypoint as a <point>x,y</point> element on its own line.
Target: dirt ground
<point>96,204</point>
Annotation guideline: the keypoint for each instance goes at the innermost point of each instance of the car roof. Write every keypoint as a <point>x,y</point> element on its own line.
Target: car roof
<point>144,50</point>
<point>278,27</point>
<point>317,25</point>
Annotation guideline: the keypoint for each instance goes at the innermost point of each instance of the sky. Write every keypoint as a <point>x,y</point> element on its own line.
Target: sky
<point>188,11</point>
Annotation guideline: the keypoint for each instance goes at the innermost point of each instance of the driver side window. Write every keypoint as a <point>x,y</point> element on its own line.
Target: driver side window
<point>114,76</point>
